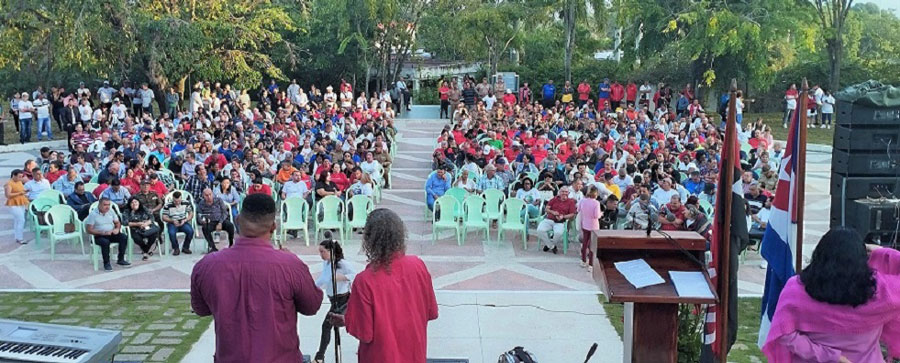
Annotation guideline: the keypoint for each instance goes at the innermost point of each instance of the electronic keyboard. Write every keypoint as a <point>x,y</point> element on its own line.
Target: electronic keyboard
<point>36,342</point>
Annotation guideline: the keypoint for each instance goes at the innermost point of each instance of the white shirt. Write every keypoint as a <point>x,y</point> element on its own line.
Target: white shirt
<point>25,108</point>
<point>343,287</point>
<point>292,90</point>
<point>489,101</point>
<point>293,189</point>
<point>106,94</point>
<point>43,107</point>
<point>146,97</point>
<point>645,91</point>
<point>828,104</point>
<point>623,183</point>
<point>661,197</point>
<point>818,95</point>
<point>85,112</point>
<point>120,111</point>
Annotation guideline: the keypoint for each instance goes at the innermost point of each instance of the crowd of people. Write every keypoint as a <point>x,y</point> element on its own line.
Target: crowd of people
<point>615,156</point>
<point>163,169</point>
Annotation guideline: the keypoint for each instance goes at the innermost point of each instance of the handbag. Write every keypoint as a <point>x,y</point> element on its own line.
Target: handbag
<point>69,227</point>
<point>149,231</point>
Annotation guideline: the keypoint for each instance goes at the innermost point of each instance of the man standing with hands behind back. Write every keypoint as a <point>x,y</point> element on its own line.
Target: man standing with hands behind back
<point>254,292</point>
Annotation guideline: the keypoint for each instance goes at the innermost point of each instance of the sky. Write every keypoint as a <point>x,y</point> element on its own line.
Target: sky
<point>886,4</point>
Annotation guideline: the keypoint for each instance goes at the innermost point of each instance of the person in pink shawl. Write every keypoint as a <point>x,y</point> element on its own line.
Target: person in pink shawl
<point>840,306</point>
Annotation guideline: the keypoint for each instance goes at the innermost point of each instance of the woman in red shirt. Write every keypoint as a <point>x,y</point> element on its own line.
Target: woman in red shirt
<point>339,178</point>
<point>444,94</point>
<point>393,298</point>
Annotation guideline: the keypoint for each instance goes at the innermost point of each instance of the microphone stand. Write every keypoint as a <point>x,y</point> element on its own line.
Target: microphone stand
<point>337,329</point>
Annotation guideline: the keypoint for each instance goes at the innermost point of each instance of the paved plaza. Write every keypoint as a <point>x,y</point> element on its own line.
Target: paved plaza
<point>492,295</point>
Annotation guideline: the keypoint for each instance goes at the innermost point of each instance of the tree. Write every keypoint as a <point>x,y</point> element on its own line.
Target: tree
<point>832,15</point>
<point>574,11</point>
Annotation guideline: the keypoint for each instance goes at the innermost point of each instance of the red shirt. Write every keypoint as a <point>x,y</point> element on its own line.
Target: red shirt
<point>53,176</point>
<point>509,99</point>
<point>631,92</point>
<point>563,207</point>
<point>584,91</point>
<point>389,311</point>
<point>159,188</point>
<point>254,293</point>
<point>218,158</point>
<point>444,92</point>
<point>616,92</point>
<point>340,180</point>
<point>259,189</point>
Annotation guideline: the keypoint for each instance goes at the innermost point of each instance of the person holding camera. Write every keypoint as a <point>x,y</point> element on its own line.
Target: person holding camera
<point>671,215</point>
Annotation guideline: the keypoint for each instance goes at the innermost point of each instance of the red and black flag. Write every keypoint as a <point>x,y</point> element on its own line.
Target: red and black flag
<point>731,228</point>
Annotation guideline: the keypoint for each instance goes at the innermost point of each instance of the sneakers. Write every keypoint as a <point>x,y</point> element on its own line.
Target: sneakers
<point>107,267</point>
<point>546,248</point>
<point>145,257</point>
<point>186,251</point>
<point>590,269</point>
<point>784,125</point>
<point>763,264</point>
<point>123,263</point>
<point>583,264</point>
<point>213,250</point>
<point>553,249</point>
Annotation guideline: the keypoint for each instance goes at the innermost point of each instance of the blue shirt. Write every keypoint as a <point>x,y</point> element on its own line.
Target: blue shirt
<point>693,187</point>
<point>549,91</point>
<point>437,186</point>
<point>603,90</point>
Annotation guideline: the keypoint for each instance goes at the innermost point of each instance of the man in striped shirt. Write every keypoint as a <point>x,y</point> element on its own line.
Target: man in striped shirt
<point>177,215</point>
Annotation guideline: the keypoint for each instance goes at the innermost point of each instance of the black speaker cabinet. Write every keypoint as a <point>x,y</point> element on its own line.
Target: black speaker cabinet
<point>867,139</point>
<point>853,115</point>
<point>870,163</point>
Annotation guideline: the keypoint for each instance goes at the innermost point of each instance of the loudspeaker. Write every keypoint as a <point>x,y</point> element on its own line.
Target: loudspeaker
<point>844,190</point>
<point>873,216</point>
<point>865,163</point>
<point>867,139</point>
<point>853,115</point>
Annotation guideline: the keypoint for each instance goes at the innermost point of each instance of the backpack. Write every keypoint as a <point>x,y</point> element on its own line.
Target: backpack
<point>517,355</point>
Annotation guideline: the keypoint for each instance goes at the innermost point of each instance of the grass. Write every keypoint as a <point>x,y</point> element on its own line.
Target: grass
<point>743,351</point>
<point>155,326</point>
<point>11,136</point>
<point>773,120</point>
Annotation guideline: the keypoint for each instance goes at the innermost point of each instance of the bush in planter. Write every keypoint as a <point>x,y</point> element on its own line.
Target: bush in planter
<point>690,329</point>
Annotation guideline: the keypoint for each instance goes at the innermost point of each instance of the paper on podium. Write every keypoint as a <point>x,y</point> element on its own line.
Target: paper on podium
<point>639,273</point>
<point>690,284</point>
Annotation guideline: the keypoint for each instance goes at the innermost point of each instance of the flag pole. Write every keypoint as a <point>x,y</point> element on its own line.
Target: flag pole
<point>724,259</point>
<point>801,174</point>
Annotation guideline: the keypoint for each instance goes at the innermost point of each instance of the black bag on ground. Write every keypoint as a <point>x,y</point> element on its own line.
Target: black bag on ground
<point>517,355</point>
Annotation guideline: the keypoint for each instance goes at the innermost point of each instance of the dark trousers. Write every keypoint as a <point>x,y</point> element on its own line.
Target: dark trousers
<point>188,234</point>
<point>406,97</point>
<point>145,243</point>
<point>445,105</point>
<point>104,241</point>
<point>586,254</point>
<point>15,117</point>
<point>210,227</point>
<point>137,109</point>
<point>338,306</point>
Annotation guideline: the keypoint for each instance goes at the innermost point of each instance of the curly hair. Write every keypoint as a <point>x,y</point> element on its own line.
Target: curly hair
<point>839,272</point>
<point>383,237</point>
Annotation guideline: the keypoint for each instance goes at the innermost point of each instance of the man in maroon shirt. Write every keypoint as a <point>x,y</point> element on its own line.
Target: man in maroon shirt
<point>560,210</point>
<point>392,299</point>
<point>254,292</point>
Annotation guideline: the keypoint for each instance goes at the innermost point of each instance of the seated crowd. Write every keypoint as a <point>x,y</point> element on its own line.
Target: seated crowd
<point>620,165</point>
<point>163,173</point>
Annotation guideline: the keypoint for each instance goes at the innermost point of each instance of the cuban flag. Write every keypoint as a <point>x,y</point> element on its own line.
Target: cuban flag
<point>779,241</point>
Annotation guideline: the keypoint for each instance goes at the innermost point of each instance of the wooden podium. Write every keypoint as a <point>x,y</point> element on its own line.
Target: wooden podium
<point>655,322</point>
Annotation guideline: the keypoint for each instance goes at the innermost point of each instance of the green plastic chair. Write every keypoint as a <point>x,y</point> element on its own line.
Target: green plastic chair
<point>53,194</point>
<point>446,220</point>
<point>89,187</point>
<point>533,176</point>
<point>294,216</point>
<point>511,219</point>
<point>362,205</point>
<point>96,178</point>
<point>492,199</point>
<point>40,205</point>
<point>707,207</point>
<point>58,216</point>
<point>536,219</point>
<point>474,217</point>
<point>460,195</point>
<point>95,249</point>
<point>330,207</point>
